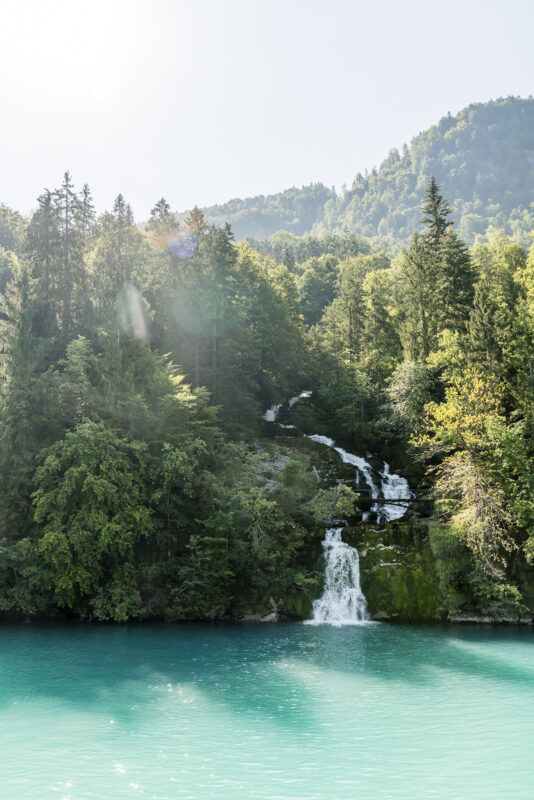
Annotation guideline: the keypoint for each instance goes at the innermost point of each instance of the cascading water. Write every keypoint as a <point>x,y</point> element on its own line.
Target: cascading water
<point>342,602</point>
<point>383,485</point>
<point>302,396</point>
<point>394,487</point>
<point>272,413</point>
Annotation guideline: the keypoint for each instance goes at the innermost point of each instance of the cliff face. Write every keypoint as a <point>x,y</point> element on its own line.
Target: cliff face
<point>398,573</point>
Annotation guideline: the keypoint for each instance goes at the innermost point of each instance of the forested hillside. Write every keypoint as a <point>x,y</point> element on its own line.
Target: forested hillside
<point>296,210</point>
<point>137,476</point>
<point>483,157</point>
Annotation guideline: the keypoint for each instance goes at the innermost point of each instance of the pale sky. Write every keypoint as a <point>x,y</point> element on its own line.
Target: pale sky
<point>204,100</point>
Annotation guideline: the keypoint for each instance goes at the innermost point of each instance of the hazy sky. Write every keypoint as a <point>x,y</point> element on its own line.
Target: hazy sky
<point>205,100</point>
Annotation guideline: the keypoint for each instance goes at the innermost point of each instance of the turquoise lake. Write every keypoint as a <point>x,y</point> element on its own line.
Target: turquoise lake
<point>277,712</point>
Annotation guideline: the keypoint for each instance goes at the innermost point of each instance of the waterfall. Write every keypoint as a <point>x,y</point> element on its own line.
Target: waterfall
<point>272,413</point>
<point>383,485</point>
<point>364,467</point>
<point>394,487</point>
<point>302,396</point>
<point>342,602</point>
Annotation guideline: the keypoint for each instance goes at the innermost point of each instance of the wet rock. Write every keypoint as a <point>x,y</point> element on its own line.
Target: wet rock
<point>274,616</point>
<point>484,619</point>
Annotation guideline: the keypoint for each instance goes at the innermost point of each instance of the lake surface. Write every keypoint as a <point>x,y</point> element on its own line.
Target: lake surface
<point>277,712</point>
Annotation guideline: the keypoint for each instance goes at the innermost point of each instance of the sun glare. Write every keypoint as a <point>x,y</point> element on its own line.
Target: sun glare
<point>69,52</point>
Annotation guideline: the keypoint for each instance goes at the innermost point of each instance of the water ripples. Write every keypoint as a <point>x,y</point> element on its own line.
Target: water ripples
<point>284,711</point>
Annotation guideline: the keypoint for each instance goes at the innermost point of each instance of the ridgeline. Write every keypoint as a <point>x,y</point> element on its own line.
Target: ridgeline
<point>483,159</point>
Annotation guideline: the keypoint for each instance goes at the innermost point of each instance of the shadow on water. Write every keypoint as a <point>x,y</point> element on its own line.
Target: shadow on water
<point>95,668</point>
<point>241,667</point>
<point>414,654</point>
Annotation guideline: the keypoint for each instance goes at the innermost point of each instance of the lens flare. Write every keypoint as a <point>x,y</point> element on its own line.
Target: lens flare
<point>133,317</point>
<point>180,241</point>
<point>205,313</point>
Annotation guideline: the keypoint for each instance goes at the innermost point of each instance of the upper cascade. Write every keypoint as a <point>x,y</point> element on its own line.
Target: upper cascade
<point>383,484</point>
<point>389,486</point>
<point>272,413</point>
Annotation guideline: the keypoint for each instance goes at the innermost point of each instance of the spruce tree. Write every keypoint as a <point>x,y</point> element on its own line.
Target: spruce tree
<point>43,246</point>
<point>120,213</point>
<point>119,255</point>
<point>417,311</point>
<point>436,279</point>
<point>449,262</point>
<point>66,204</point>
<point>455,282</point>
<point>161,217</point>
<point>86,213</point>
<point>196,221</point>
<point>436,213</point>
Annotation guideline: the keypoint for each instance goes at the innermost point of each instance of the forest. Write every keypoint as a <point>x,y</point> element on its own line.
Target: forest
<point>136,364</point>
<point>483,158</point>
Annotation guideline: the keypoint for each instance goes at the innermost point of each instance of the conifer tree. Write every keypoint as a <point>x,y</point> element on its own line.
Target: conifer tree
<point>43,240</point>
<point>450,261</point>
<point>27,415</point>
<point>436,213</point>
<point>417,311</point>
<point>382,348</point>
<point>161,217</point>
<point>120,213</point>
<point>196,221</point>
<point>494,324</point>
<point>13,228</point>
<point>66,204</point>
<point>119,255</point>
<point>86,213</point>
<point>456,282</point>
<point>436,279</point>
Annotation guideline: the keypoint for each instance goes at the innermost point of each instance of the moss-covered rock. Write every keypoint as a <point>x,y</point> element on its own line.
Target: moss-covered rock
<point>297,606</point>
<point>397,569</point>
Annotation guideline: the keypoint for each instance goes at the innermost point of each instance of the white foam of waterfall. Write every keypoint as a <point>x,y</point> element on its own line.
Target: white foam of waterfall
<point>316,437</point>
<point>272,413</point>
<point>394,487</point>
<point>342,602</point>
<point>365,468</point>
<point>383,485</point>
<point>302,396</point>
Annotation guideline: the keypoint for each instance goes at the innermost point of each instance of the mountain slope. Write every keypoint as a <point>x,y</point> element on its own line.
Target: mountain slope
<point>294,210</point>
<point>483,158</point>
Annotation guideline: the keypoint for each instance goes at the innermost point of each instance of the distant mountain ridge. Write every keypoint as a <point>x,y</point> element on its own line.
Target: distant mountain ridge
<point>483,158</point>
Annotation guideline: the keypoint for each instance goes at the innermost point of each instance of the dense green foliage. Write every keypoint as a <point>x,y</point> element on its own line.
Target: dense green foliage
<point>135,368</point>
<point>482,157</point>
<point>428,358</point>
<point>124,492</point>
